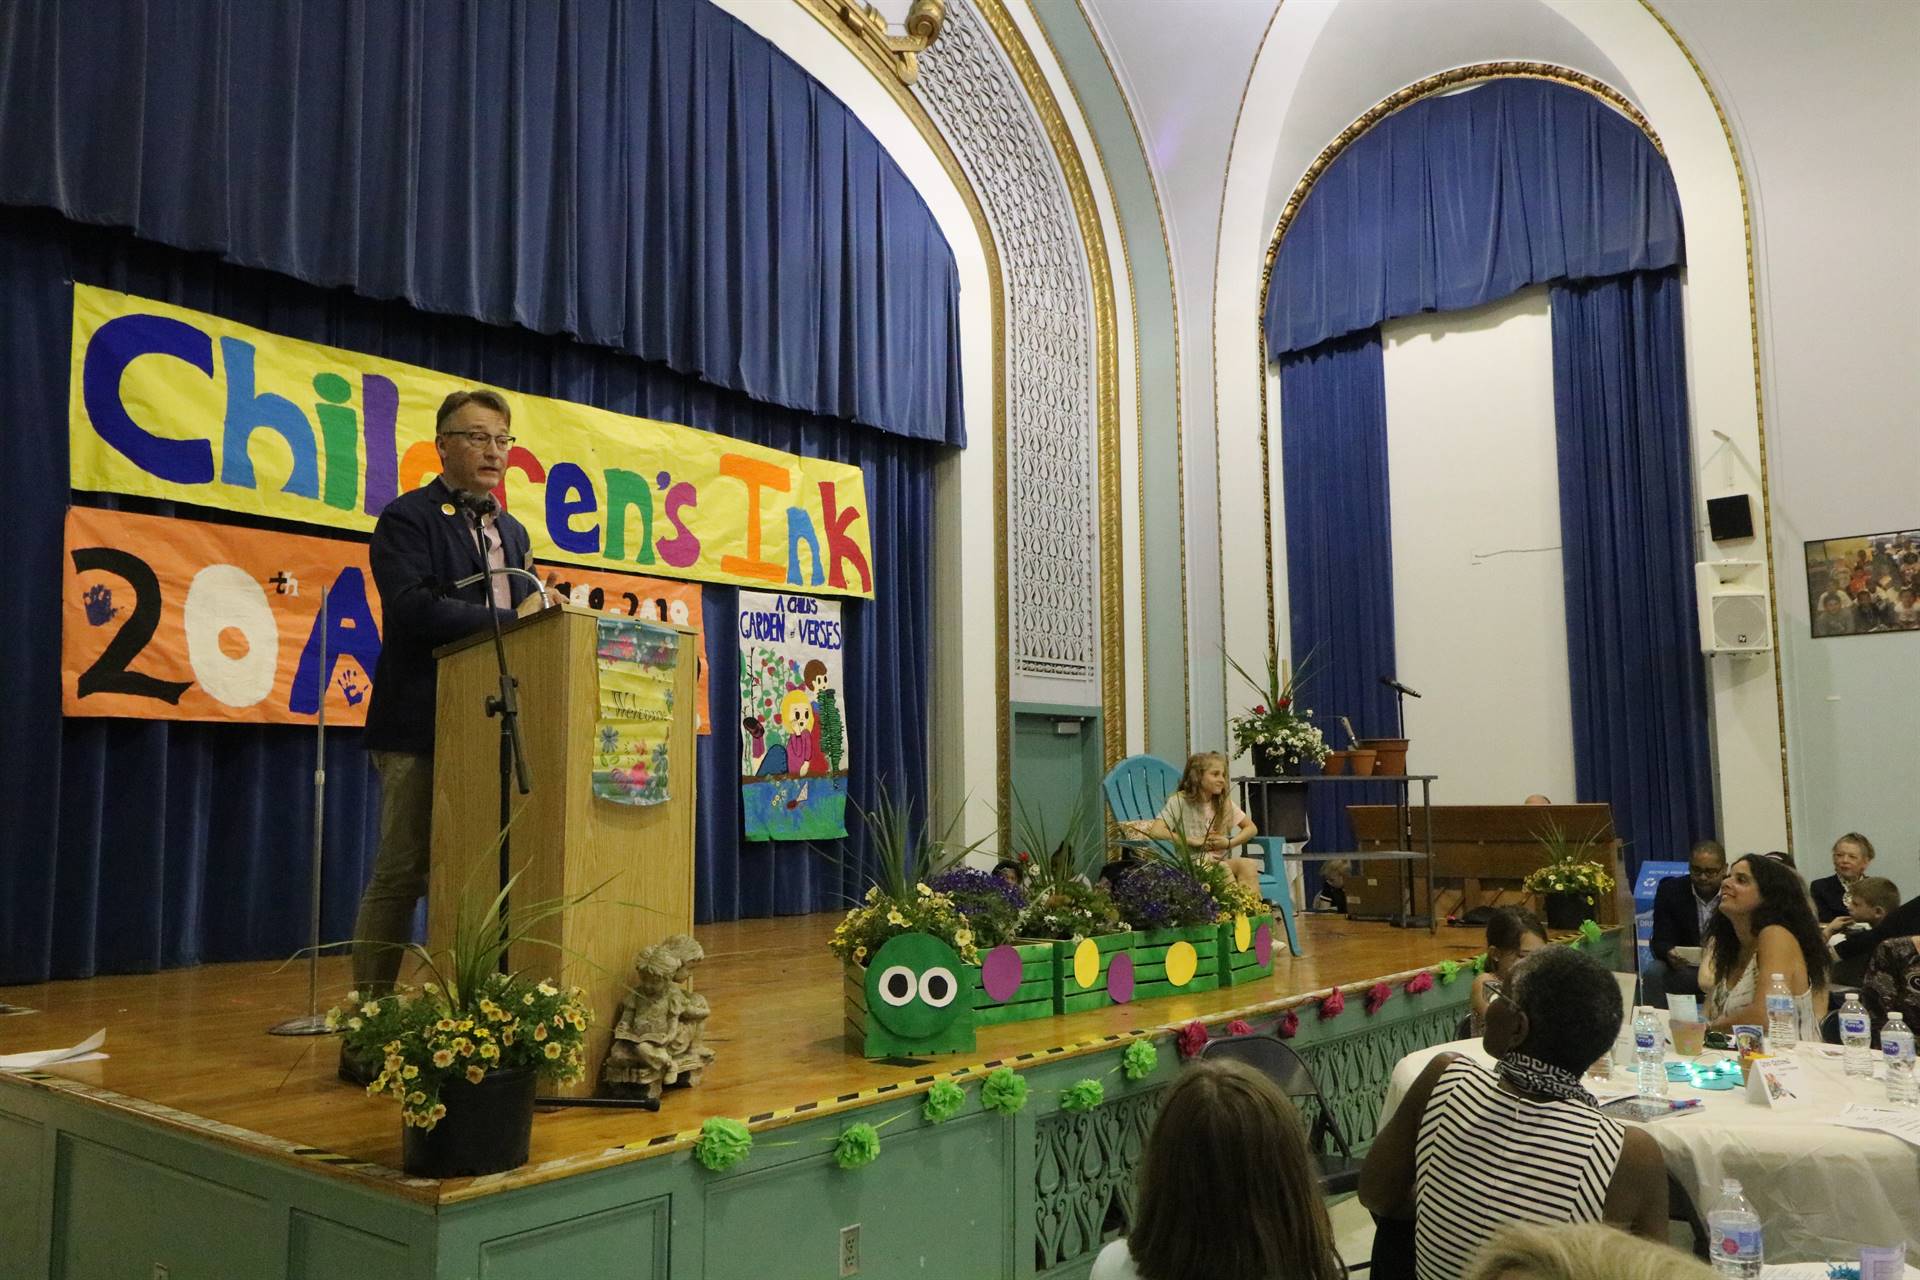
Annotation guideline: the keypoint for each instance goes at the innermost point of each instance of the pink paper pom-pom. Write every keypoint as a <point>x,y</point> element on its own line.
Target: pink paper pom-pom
<point>1239,1027</point>
<point>1378,994</point>
<point>1333,1004</point>
<point>1190,1039</point>
<point>1289,1025</point>
<point>1422,981</point>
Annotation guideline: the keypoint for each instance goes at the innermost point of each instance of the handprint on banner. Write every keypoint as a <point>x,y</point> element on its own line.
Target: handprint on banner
<point>99,602</point>
<point>350,686</point>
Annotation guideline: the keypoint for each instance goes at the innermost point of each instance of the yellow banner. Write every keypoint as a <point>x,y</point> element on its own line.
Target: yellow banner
<point>171,403</point>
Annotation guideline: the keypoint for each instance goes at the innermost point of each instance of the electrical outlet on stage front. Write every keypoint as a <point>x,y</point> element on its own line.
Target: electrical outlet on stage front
<point>850,1250</point>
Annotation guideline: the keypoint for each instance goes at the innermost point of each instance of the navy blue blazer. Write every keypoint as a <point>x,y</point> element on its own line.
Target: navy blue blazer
<point>422,544</point>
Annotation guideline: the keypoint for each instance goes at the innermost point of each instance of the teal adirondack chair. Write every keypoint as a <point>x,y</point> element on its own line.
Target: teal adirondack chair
<point>1137,789</point>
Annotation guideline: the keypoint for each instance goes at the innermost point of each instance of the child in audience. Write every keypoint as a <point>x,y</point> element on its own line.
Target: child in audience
<point>1513,934</point>
<point>1333,887</point>
<point>1205,816</point>
<point>1590,1251</point>
<point>1228,1188</point>
<point>1853,937</point>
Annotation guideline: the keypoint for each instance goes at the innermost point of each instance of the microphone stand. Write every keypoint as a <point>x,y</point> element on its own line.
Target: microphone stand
<point>506,705</point>
<point>313,1022</point>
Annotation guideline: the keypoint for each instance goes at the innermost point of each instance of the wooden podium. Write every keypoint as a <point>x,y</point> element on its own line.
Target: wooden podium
<point>1481,853</point>
<point>564,841</point>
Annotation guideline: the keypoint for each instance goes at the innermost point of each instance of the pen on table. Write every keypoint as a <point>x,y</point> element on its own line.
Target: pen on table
<point>1684,1104</point>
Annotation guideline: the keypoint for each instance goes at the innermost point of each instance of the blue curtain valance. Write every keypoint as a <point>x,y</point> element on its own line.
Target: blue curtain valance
<point>1461,200</point>
<point>647,175</point>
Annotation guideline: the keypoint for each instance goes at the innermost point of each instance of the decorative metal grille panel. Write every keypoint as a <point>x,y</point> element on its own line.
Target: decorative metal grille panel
<point>967,85</point>
<point>1084,1175</point>
<point>1353,1071</point>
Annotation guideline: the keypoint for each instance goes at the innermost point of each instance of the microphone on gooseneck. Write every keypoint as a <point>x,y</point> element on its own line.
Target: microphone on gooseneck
<point>480,505</point>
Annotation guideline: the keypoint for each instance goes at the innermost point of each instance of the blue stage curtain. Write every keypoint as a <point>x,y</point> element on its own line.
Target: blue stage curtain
<point>1626,520</point>
<point>1464,199</point>
<point>1333,446</point>
<point>135,845</point>
<point>646,175</point>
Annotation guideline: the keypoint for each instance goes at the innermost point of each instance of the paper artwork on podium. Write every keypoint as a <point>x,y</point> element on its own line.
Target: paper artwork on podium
<point>636,663</point>
<point>793,728</point>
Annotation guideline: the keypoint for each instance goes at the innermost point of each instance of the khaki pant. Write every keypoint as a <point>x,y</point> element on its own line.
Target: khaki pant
<point>399,881</point>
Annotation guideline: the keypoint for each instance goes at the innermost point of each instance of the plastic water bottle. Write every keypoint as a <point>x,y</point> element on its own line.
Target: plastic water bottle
<point>1734,1231</point>
<point>1856,1033</point>
<point>1650,1062</point>
<point>1896,1045</point>
<point>1783,1021</point>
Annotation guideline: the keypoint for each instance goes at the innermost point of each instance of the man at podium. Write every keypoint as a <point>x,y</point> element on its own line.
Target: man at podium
<point>425,543</point>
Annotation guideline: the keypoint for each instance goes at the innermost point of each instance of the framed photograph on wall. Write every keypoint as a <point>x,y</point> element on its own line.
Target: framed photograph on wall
<point>1860,585</point>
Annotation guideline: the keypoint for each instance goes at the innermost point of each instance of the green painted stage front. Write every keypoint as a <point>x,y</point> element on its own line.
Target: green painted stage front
<point>92,1192</point>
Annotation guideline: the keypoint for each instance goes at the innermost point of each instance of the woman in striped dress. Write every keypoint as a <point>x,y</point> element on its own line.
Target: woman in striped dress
<point>1471,1150</point>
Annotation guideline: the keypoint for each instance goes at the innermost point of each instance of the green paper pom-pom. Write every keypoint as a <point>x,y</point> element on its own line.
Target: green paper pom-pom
<point>723,1143</point>
<point>1139,1060</point>
<point>1480,963</point>
<point>1005,1091</point>
<point>1082,1095</point>
<point>1448,970</point>
<point>1590,930</point>
<point>858,1147</point>
<point>944,1101</point>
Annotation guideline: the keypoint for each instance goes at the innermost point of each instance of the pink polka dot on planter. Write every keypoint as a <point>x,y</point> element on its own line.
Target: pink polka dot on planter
<point>1120,978</point>
<point>1000,973</point>
<point>1263,945</point>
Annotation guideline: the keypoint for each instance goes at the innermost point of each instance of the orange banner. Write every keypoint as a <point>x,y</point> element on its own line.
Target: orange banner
<point>167,619</point>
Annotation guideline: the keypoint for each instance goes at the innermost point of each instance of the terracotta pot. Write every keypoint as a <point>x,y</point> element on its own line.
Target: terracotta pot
<point>1335,764</point>
<point>1361,761</point>
<point>1392,755</point>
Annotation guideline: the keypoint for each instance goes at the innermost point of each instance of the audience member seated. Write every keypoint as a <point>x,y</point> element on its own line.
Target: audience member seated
<point>1010,871</point>
<point>1853,937</point>
<point>1471,1150</point>
<point>1202,814</point>
<point>1764,926</point>
<point>1851,854</point>
<point>1892,982</point>
<point>1590,1251</point>
<point>1682,906</point>
<point>1228,1188</point>
<point>1333,887</point>
<point>1513,934</point>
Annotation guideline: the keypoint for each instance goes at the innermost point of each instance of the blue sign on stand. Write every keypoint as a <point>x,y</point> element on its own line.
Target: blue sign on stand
<point>1644,888</point>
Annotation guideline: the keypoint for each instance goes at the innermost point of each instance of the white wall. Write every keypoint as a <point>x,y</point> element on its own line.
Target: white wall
<point>1479,604</point>
<point>1825,102</point>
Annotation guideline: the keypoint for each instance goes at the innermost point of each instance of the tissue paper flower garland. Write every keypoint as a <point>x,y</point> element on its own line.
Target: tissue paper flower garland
<point>1139,1060</point>
<point>1422,981</point>
<point>944,1101</point>
<point>1191,1039</point>
<point>1332,1004</point>
<point>1082,1095</point>
<point>1448,970</point>
<point>1377,995</point>
<point>1005,1091</point>
<point>723,1143</point>
<point>858,1146</point>
<point>1239,1027</point>
<point>1289,1025</point>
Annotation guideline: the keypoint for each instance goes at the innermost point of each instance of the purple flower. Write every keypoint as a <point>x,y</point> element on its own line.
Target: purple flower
<point>970,889</point>
<point>1156,896</point>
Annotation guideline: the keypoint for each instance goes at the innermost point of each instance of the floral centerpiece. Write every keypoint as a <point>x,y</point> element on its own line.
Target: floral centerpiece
<point>1572,880</point>
<point>897,902</point>
<point>1277,731</point>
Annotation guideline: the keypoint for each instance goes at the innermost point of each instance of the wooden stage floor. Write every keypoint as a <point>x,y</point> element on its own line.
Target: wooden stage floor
<point>194,1042</point>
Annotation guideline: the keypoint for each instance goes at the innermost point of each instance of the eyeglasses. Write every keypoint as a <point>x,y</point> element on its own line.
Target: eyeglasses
<point>479,439</point>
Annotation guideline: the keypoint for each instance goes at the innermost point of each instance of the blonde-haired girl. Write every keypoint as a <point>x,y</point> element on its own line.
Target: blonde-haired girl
<point>1203,815</point>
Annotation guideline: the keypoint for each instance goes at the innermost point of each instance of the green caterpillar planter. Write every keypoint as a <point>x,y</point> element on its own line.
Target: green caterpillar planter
<point>1170,962</point>
<point>1092,973</point>
<point>1014,982</point>
<point>915,997</point>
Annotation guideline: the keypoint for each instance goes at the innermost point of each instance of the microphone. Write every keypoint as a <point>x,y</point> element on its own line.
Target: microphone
<point>1397,687</point>
<point>546,597</point>
<point>479,505</point>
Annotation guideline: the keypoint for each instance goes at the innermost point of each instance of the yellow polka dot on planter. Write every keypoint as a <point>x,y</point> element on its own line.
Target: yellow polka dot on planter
<point>1182,963</point>
<point>1086,964</point>
<point>1242,933</point>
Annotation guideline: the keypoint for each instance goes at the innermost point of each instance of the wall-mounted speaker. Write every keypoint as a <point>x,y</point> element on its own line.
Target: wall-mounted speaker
<point>1734,617</point>
<point>1730,518</point>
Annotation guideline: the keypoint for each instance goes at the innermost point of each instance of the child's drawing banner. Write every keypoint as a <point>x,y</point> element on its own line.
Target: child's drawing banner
<point>793,743</point>
<point>170,619</point>
<point>167,402</point>
<point>635,661</point>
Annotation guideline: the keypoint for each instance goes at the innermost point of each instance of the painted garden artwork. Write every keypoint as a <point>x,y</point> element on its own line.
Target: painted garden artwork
<point>1860,585</point>
<point>793,726</point>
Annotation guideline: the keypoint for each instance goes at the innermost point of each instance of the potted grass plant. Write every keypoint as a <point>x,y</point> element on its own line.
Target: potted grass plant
<point>1071,920</point>
<point>463,1052</point>
<point>1573,880</point>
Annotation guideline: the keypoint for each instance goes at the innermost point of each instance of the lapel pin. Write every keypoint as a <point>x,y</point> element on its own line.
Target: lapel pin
<point>446,508</point>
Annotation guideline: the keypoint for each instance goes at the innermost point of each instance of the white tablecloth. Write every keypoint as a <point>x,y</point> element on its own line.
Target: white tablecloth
<point>1821,1190</point>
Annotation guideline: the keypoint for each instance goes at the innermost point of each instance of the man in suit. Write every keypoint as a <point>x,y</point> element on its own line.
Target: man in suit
<point>1682,906</point>
<point>425,541</point>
